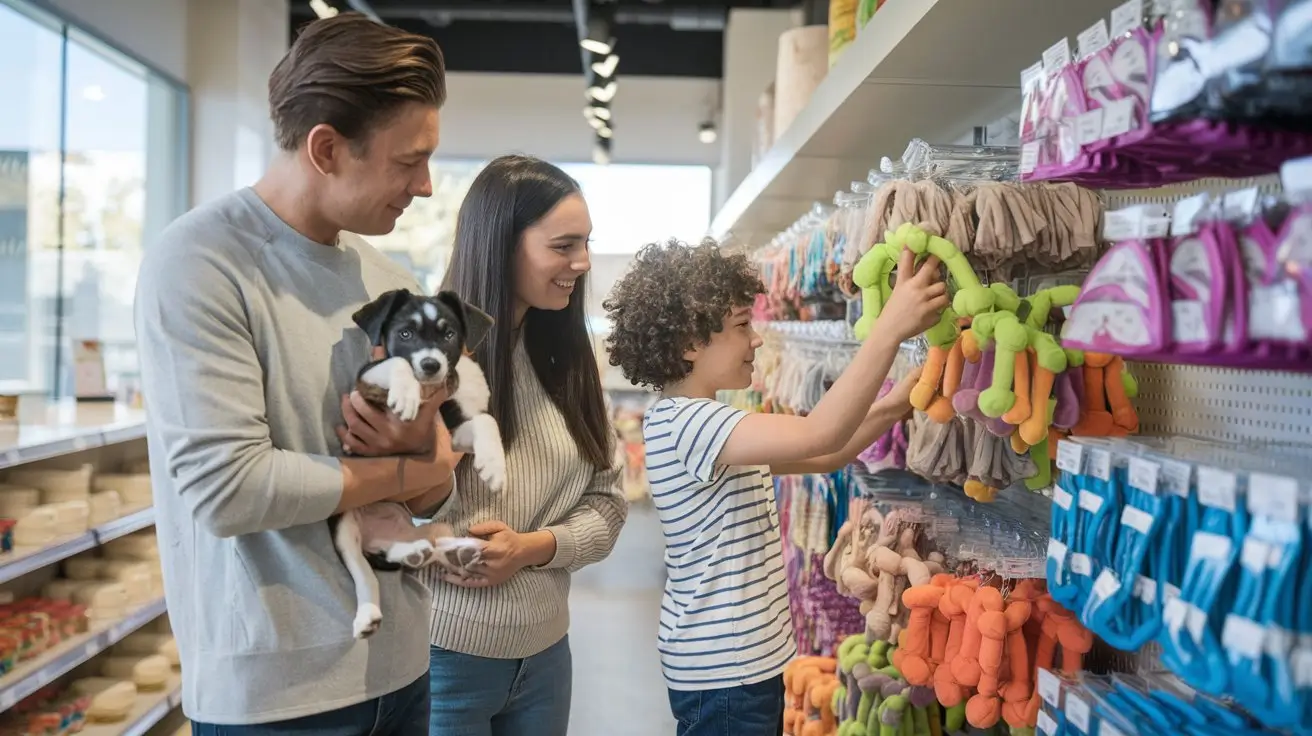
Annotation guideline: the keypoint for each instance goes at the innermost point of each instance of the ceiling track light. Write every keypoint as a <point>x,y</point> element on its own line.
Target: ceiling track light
<point>606,67</point>
<point>706,132</point>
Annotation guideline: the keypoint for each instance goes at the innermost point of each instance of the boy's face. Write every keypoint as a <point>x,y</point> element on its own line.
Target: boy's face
<point>725,363</point>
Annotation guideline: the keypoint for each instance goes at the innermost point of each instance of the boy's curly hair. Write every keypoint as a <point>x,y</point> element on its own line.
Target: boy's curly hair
<point>673,298</point>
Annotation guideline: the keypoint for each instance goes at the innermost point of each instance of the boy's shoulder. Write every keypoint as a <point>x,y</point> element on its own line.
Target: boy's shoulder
<point>669,410</point>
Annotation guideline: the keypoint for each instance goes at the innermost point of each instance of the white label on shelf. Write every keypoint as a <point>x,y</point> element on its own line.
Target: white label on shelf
<point>1273,496</point>
<point>1184,219</point>
<point>1127,17</point>
<point>1081,564</point>
<point>1090,502</point>
<point>1029,157</point>
<point>1093,39</point>
<point>1057,57</point>
<point>1217,488</point>
<point>1144,474</point>
<point>1240,205</point>
<point>1156,223</point>
<point>1100,464</point>
<point>1077,712</point>
<point>1106,585</point>
<point>1088,127</point>
<point>1049,688</point>
<point>1046,724</point>
<point>1062,498</point>
<point>1118,225</point>
<point>1070,457</point>
<point>1243,636</point>
<point>1137,519</point>
<point>1177,477</point>
<point>1118,117</point>
<point>1145,589</point>
<point>1209,546</point>
<point>1253,555</point>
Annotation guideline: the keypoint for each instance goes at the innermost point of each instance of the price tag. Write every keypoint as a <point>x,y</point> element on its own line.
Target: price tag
<point>1177,477</point>
<point>1209,546</point>
<point>1046,724</point>
<point>1062,498</point>
<point>1070,457</point>
<point>1144,474</point>
<point>1184,218</point>
<point>1137,519</point>
<point>1188,321</point>
<point>1170,594</point>
<point>1277,644</point>
<point>1081,564</point>
<point>1156,224</point>
<point>1243,636</point>
<point>1273,496</point>
<point>1029,157</point>
<point>1100,464</point>
<point>1296,175</point>
<point>1196,623</point>
<point>1088,127</point>
<point>1031,75</point>
<point>1217,488</point>
<point>1145,589</point>
<point>1049,688</point>
<point>1118,117</point>
<point>1077,712</point>
<point>1057,549</point>
<point>1119,225</point>
<point>1090,502</point>
<point>1093,39</point>
<point>1254,555</point>
<point>1174,613</point>
<point>1057,57</point>
<point>1240,205</point>
<point>1127,17</point>
<point>1106,585</point>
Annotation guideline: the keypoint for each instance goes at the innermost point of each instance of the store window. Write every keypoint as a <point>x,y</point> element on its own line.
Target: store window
<point>92,166</point>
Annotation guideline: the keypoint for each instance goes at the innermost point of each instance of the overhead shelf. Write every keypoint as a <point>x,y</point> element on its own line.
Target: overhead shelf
<point>932,69</point>
<point>67,427</point>
<point>23,560</point>
<point>35,674</point>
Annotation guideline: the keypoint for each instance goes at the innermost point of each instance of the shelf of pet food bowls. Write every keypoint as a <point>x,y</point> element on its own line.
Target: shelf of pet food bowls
<point>23,560</point>
<point>932,69</point>
<point>30,676</point>
<point>149,709</point>
<point>47,430</point>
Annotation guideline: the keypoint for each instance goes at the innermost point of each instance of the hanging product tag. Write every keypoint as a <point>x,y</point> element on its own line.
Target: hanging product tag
<point>1030,76</point>
<point>1217,488</point>
<point>1144,474</point>
<point>1029,157</point>
<point>1296,178</point>
<point>1177,477</point>
<point>1093,39</point>
<point>1049,688</point>
<point>1070,456</point>
<point>1273,496</point>
<point>1126,18</point>
<point>1057,57</point>
<point>1077,712</point>
<point>1121,225</point>
<point>1118,117</point>
<point>1241,205</point>
<point>1088,126</point>
<point>1100,465</point>
<point>1184,219</point>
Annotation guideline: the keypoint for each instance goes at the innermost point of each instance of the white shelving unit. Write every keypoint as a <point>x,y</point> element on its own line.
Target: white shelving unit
<point>932,69</point>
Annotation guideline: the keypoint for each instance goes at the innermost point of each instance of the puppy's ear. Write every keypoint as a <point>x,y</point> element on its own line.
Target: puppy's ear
<point>476,322</point>
<point>374,316</point>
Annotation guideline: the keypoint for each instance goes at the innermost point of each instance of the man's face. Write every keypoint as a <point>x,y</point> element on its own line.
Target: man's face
<point>370,188</point>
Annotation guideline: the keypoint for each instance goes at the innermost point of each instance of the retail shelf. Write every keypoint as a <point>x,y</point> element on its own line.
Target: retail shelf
<point>24,560</point>
<point>64,427</point>
<point>931,69</point>
<point>31,676</point>
<point>149,709</point>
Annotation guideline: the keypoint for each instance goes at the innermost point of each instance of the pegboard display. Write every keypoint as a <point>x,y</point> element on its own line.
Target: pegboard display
<point>1115,200</point>
<point>1227,404</point>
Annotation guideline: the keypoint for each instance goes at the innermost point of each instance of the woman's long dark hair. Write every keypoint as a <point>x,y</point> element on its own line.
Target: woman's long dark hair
<point>507,197</point>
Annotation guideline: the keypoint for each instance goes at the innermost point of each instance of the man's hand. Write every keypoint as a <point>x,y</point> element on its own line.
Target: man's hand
<point>503,556</point>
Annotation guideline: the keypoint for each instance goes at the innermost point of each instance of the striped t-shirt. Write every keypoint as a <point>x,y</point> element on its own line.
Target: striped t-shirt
<point>724,615</point>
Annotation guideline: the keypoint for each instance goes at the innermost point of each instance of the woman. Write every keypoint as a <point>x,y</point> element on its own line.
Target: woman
<point>500,657</point>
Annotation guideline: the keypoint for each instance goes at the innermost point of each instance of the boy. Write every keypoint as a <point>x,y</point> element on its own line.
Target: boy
<point>682,325</point>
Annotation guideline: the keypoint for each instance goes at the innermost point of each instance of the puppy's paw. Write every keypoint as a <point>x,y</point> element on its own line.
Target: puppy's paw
<point>491,467</point>
<point>457,554</point>
<point>411,554</point>
<point>367,619</point>
<point>404,399</point>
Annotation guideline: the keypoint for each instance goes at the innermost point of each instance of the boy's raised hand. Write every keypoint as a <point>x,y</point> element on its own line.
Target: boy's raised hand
<point>918,298</point>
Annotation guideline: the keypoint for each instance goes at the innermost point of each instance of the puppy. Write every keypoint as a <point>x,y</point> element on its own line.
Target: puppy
<point>427,340</point>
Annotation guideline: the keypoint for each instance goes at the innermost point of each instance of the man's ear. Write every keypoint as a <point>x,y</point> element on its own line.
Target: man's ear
<point>476,322</point>
<point>375,315</point>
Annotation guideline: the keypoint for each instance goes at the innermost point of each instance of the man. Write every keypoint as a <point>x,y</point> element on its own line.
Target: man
<point>248,355</point>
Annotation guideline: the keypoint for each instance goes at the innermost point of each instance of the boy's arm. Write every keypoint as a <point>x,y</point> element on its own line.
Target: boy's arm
<point>885,412</point>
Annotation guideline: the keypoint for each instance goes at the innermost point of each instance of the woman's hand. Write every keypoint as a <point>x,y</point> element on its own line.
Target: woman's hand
<point>506,553</point>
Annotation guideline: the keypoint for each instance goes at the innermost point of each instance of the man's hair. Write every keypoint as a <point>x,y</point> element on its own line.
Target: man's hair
<point>674,297</point>
<point>353,74</point>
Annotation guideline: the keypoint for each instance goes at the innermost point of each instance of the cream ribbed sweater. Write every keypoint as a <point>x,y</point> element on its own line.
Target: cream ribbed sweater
<point>549,485</point>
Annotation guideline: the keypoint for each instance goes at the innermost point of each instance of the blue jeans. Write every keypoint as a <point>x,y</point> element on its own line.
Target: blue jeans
<point>402,713</point>
<point>478,696</point>
<point>742,710</point>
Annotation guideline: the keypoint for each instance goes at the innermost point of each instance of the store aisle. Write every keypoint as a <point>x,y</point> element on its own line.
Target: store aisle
<point>614,607</point>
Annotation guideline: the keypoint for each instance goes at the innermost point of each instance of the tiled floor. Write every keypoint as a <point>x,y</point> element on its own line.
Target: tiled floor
<point>614,607</point>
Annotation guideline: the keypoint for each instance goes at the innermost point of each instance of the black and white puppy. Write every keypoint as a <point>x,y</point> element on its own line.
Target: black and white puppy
<point>427,341</point>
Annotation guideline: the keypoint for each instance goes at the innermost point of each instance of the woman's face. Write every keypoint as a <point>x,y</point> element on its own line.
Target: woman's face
<point>552,255</point>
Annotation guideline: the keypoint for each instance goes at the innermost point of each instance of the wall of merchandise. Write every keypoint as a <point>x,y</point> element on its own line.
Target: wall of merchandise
<point>1096,522</point>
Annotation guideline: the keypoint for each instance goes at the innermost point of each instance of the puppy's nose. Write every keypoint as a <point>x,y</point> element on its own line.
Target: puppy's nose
<point>430,366</point>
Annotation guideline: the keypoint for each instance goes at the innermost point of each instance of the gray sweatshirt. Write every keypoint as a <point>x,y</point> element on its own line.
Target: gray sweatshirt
<point>246,346</point>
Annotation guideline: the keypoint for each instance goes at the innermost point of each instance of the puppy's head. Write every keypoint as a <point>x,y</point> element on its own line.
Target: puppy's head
<point>430,333</point>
